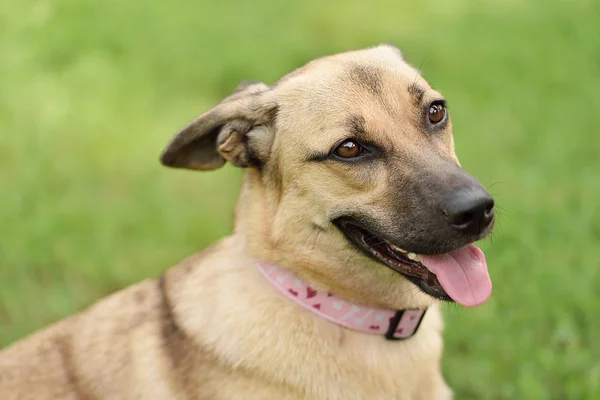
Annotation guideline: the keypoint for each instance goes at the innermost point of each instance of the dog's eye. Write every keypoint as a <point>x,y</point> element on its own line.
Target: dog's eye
<point>349,149</point>
<point>437,112</point>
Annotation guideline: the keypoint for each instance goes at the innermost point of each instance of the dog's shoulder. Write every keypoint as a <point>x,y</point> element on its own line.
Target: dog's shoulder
<point>24,372</point>
<point>141,330</point>
<point>117,345</point>
<point>73,357</point>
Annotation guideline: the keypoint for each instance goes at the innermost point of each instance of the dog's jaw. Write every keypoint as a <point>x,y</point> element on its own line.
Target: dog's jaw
<point>398,260</point>
<point>459,275</point>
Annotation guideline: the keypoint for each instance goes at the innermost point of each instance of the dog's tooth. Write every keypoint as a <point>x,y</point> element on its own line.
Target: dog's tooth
<point>396,248</point>
<point>412,256</point>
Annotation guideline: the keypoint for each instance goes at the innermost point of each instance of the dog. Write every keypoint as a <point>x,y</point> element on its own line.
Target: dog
<point>354,222</point>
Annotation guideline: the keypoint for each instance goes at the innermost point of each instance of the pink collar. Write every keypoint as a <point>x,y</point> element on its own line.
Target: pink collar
<point>394,325</point>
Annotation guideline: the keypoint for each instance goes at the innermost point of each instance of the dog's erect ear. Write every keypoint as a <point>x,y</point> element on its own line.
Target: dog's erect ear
<point>237,130</point>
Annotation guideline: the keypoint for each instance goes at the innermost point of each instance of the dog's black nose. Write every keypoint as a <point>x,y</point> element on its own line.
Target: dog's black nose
<point>469,211</point>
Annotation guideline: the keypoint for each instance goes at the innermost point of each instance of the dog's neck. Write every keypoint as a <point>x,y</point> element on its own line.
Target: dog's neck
<point>392,324</point>
<point>255,211</point>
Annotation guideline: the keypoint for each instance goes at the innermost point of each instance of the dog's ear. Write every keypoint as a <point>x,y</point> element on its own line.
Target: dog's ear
<point>238,130</point>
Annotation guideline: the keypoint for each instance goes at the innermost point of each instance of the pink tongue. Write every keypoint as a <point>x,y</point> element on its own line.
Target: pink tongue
<point>463,274</point>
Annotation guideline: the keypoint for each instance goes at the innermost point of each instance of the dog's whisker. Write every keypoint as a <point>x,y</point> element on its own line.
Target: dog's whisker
<point>415,292</point>
<point>352,253</point>
<point>419,70</point>
<point>496,183</point>
<point>313,247</point>
<point>301,247</point>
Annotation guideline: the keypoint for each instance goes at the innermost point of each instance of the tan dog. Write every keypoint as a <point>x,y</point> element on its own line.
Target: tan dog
<point>349,160</point>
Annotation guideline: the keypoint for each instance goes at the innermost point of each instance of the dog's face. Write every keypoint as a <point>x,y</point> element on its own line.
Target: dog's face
<point>357,152</point>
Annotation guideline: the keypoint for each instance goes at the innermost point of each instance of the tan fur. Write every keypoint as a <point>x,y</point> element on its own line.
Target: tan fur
<point>212,327</point>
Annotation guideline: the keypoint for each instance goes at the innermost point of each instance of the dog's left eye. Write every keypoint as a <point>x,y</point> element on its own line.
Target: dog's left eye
<point>349,149</point>
<point>437,112</point>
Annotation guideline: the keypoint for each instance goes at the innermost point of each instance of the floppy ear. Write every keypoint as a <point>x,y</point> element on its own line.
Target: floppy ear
<point>237,130</point>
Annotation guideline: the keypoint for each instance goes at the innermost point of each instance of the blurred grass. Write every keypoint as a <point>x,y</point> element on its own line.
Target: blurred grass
<point>90,92</point>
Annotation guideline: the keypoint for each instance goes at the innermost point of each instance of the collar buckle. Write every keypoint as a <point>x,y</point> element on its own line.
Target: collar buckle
<point>404,324</point>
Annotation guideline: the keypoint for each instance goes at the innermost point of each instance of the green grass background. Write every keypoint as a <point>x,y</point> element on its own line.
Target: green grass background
<point>91,91</point>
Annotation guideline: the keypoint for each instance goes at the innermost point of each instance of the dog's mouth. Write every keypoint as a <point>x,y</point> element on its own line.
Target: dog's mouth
<point>460,275</point>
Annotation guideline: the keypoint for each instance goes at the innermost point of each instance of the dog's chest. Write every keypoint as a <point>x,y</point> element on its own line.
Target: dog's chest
<point>357,368</point>
<point>427,384</point>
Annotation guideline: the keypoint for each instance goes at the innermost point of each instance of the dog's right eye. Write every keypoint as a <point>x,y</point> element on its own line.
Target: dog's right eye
<point>349,149</point>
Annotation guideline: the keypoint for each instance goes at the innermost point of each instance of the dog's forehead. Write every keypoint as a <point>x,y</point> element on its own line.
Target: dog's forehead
<point>383,57</point>
<point>375,84</point>
<point>371,69</point>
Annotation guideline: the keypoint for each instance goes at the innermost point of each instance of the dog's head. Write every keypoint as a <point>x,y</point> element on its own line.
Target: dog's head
<point>359,186</point>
